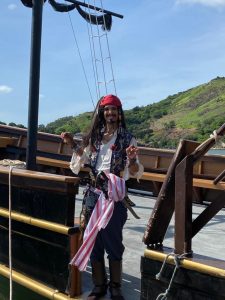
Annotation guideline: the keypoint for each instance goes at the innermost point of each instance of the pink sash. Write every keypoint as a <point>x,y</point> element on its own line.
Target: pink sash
<point>100,217</point>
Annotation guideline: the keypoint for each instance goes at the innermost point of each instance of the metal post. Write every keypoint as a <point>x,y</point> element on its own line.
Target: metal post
<point>34,84</point>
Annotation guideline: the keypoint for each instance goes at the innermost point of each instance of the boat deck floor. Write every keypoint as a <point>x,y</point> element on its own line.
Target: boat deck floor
<point>209,241</point>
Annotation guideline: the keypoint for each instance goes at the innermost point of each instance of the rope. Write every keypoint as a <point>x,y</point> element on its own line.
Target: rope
<point>216,136</point>
<point>177,261</point>
<point>11,164</point>
<point>101,53</point>
<point>212,136</point>
<point>105,82</point>
<point>93,59</point>
<point>10,235</point>
<point>15,163</point>
<point>93,54</point>
<point>110,59</point>
<point>82,63</point>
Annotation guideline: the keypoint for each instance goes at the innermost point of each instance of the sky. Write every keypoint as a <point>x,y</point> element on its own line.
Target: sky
<point>159,48</point>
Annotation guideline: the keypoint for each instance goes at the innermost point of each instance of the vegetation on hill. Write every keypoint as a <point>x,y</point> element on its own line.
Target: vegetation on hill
<point>193,114</point>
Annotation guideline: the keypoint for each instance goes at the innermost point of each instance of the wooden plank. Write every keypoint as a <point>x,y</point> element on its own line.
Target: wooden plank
<point>5,141</point>
<point>183,206</point>
<point>197,182</point>
<point>207,214</point>
<point>208,184</point>
<point>35,193</point>
<point>53,162</point>
<point>164,205</point>
<point>153,176</point>
<point>75,286</point>
<point>39,175</point>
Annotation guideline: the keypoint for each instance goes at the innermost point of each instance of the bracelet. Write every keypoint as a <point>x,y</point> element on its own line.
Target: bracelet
<point>132,161</point>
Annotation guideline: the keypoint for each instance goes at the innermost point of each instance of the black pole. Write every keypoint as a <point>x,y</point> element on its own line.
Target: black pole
<point>34,84</point>
<point>96,8</point>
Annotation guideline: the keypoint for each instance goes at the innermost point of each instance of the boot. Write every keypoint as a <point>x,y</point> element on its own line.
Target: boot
<point>99,279</point>
<point>115,268</point>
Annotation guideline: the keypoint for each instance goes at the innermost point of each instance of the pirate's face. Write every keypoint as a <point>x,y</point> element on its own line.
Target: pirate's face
<point>111,114</point>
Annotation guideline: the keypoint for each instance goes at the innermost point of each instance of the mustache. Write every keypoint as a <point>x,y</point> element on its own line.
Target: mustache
<point>111,121</point>
<point>111,115</point>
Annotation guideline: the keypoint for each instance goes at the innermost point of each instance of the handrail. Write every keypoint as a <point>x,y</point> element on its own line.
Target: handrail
<point>35,286</point>
<point>39,175</point>
<point>55,227</point>
<point>189,263</point>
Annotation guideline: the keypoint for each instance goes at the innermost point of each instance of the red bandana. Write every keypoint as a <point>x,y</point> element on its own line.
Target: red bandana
<point>110,100</point>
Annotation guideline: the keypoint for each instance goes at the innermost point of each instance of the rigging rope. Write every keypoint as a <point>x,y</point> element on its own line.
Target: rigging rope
<point>93,57</point>
<point>82,63</point>
<point>102,59</point>
<point>101,54</point>
<point>12,164</point>
<point>105,20</point>
<point>110,58</point>
<point>10,235</point>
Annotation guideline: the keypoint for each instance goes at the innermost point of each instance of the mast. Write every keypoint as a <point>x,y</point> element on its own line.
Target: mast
<point>34,84</point>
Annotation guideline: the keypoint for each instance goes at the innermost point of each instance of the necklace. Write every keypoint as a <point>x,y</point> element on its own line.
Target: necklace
<point>107,136</point>
<point>109,133</point>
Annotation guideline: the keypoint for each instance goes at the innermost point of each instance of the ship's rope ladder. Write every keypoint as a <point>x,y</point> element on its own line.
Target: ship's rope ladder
<point>101,59</point>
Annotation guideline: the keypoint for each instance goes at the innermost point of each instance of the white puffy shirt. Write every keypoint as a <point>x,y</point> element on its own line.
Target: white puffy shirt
<point>104,159</point>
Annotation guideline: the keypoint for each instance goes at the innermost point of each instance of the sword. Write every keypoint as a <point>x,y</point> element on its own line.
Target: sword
<point>127,205</point>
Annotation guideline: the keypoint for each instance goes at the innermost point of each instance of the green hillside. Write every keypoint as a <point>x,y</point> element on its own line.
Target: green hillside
<point>192,114</point>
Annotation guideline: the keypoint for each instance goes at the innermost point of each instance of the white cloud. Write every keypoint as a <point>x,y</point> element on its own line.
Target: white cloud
<point>4,89</point>
<point>12,6</point>
<point>212,3</point>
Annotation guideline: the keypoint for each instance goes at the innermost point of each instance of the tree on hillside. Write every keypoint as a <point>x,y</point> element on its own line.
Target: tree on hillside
<point>41,128</point>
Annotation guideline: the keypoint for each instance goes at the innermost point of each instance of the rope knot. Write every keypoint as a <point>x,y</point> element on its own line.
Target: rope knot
<point>177,261</point>
<point>216,136</point>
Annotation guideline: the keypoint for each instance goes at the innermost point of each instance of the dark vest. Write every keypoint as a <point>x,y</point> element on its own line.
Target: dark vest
<point>119,156</point>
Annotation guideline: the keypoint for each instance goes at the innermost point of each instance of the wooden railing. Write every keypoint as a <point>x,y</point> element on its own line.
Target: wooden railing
<point>44,234</point>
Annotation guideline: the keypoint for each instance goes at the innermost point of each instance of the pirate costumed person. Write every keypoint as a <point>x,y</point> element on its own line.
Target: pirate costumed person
<point>110,150</point>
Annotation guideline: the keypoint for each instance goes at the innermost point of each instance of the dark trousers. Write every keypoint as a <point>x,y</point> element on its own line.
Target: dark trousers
<point>110,239</point>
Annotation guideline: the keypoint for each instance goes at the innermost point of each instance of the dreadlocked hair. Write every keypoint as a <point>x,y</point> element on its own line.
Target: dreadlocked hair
<point>94,127</point>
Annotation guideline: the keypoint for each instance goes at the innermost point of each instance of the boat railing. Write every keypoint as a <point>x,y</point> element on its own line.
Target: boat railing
<point>44,233</point>
<point>185,227</point>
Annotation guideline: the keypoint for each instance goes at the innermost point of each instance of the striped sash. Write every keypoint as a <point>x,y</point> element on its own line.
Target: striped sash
<point>100,217</point>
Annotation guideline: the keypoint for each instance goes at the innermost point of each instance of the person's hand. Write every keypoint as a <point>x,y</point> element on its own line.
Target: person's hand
<point>132,159</point>
<point>67,138</point>
<point>132,152</point>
